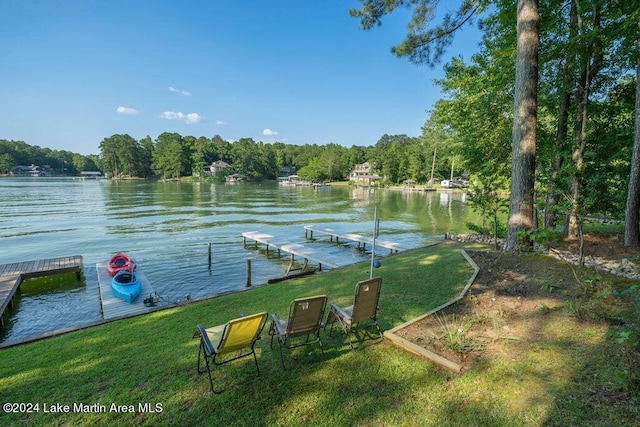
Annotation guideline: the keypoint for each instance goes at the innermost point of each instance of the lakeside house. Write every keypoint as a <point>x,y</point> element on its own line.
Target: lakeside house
<point>363,174</point>
<point>215,168</point>
<point>286,171</point>
<point>33,171</point>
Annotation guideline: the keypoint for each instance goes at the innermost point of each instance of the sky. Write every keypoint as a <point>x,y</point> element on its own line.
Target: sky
<point>74,72</point>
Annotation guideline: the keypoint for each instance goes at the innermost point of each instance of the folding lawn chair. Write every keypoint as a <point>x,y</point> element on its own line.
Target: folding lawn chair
<point>220,341</point>
<point>305,319</point>
<point>365,307</point>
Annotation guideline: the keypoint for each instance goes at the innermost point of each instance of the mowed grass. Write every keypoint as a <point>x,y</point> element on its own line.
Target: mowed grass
<point>151,359</point>
<point>142,370</point>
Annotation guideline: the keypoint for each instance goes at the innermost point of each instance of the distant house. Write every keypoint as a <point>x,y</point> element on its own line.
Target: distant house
<point>215,168</point>
<point>32,170</point>
<point>363,174</point>
<point>286,171</point>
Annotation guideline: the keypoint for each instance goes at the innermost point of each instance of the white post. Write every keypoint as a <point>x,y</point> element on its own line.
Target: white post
<point>375,234</point>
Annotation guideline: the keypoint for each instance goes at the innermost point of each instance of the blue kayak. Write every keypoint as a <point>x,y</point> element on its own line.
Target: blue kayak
<point>126,285</point>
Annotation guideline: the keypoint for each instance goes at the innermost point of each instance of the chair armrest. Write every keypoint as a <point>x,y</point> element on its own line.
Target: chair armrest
<point>205,339</point>
<point>340,313</point>
<point>277,325</point>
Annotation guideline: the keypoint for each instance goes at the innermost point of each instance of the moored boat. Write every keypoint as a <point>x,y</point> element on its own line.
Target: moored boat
<point>119,262</point>
<point>126,285</point>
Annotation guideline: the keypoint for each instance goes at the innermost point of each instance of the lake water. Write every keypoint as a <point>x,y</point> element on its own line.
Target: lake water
<point>167,227</point>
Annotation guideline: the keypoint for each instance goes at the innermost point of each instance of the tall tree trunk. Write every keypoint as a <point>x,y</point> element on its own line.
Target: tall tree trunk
<point>523,159</point>
<point>579,147</point>
<point>433,163</point>
<point>632,211</point>
<point>562,128</point>
<point>591,66</point>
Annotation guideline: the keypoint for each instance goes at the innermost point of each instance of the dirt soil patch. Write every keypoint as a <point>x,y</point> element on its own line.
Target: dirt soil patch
<point>512,302</point>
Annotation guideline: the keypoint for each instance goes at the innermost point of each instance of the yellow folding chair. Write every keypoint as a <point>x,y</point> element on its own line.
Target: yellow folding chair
<point>218,342</point>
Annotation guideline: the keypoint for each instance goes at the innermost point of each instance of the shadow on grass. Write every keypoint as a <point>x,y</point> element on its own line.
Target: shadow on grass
<point>151,359</point>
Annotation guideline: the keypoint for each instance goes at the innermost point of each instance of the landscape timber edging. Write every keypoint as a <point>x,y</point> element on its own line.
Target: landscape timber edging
<point>421,351</point>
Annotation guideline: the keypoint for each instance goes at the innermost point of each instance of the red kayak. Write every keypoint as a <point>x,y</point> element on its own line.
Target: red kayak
<point>119,262</point>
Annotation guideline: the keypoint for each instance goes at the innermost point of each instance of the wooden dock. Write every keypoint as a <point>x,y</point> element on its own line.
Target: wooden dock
<point>116,308</point>
<point>294,249</point>
<point>358,238</point>
<point>12,275</point>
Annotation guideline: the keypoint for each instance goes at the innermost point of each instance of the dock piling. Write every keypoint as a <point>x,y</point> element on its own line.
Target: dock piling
<point>248,272</point>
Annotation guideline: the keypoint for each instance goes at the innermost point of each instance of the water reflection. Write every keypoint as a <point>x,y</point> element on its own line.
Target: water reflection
<point>167,228</point>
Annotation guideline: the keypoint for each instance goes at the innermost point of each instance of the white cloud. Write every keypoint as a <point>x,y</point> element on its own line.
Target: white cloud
<point>181,92</point>
<point>269,132</point>
<point>190,119</point>
<point>127,110</point>
<point>193,118</point>
<point>220,122</point>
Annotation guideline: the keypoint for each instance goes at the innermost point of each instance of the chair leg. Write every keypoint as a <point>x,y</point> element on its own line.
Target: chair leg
<point>281,355</point>
<point>375,322</point>
<point>202,355</point>
<point>255,359</point>
<point>272,333</point>
<point>348,334</point>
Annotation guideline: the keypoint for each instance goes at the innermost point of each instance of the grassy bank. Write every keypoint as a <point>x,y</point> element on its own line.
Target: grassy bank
<point>575,363</point>
<point>151,360</point>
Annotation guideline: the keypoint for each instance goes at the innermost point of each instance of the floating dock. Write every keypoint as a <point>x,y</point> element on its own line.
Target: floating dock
<point>116,308</point>
<point>294,249</point>
<point>12,275</point>
<point>358,238</point>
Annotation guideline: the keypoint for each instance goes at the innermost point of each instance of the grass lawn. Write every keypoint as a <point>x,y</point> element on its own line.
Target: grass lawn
<point>151,359</point>
<point>142,370</point>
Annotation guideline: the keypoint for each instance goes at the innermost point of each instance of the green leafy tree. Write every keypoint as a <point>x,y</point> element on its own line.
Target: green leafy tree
<point>145,156</point>
<point>245,157</point>
<point>6,163</point>
<point>485,198</point>
<point>222,148</point>
<point>169,158</point>
<point>312,171</point>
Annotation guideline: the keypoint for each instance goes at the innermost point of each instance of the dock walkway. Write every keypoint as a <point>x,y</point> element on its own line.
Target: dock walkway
<point>294,249</point>
<point>12,275</point>
<point>358,238</point>
<point>116,308</point>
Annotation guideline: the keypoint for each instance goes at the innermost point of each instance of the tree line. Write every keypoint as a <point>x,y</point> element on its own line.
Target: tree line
<point>58,162</point>
<point>546,109</point>
<point>171,155</point>
<point>558,128</point>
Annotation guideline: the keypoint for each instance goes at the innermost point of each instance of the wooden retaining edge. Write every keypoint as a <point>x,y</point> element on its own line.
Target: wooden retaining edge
<point>421,351</point>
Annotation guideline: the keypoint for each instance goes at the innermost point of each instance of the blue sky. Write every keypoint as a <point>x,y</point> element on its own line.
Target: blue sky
<point>76,72</point>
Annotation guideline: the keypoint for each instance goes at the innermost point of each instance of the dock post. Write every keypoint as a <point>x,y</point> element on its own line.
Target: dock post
<point>248,272</point>
<point>209,256</point>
